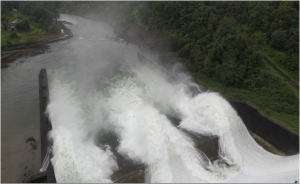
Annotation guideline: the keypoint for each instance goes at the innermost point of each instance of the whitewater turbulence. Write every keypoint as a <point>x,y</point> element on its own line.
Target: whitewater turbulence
<point>134,100</point>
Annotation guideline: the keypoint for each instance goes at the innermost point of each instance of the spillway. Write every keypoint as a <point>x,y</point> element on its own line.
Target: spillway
<point>134,104</point>
<point>114,116</point>
<point>116,105</point>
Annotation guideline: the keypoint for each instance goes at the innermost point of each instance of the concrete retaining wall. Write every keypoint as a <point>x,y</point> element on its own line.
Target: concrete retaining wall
<point>267,146</point>
<point>45,126</point>
<point>67,31</point>
<point>64,27</point>
<point>272,132</point>
<point>23,46</point>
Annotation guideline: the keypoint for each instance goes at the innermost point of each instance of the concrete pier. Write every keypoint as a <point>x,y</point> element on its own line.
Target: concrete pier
<point>48,175</point>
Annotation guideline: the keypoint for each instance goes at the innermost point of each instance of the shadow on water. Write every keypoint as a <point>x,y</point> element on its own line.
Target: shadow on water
<point>174,120</point>
<point>107,138</point>
<point>133,171</point>
<point>126,165</point>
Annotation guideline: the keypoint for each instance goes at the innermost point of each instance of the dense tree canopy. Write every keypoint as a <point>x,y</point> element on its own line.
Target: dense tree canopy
<point>42,12</point>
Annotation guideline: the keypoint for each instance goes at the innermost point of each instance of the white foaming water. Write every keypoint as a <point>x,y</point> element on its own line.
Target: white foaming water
<point>76,157</point>
<point>134,103</point>
<point>149,137</point>
<point>210,114</point>
<point>209,111</point>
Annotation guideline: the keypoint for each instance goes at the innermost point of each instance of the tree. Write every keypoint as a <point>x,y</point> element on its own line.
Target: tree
<point>172,9</point>
<point>13,35</point>
<point>278,38</point>
<point>296,5</point>
<point>23,26</point>
<point>53,28</point>
<point>259,39</point>
<point>292,43</point>
<point>226,26</point>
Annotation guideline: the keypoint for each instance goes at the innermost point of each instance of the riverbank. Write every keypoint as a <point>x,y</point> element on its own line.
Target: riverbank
<point>31,49</point>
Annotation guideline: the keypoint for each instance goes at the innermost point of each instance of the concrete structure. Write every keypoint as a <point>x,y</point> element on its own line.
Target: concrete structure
<point>12,26</point>
<point>45,124</point>
<point>275,134</point>
<point>47,175</point>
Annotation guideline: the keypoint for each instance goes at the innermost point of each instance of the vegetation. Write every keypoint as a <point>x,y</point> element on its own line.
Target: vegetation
<point>53,28</point>
<point>224,46</point>
<point>37,20</point>
<point>33,145</point>
<point>284,61</point>
<point>23,26</point>
<point>34,33</point>
<point>8,52</point>
<point>77,7</point>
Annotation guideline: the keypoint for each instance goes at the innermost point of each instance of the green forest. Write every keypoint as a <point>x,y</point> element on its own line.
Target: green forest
<point>222,43</point>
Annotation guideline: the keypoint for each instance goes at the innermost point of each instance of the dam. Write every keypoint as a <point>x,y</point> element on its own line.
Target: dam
<point>132,172</point>
<point>207,144</point>
<point>113,119</point>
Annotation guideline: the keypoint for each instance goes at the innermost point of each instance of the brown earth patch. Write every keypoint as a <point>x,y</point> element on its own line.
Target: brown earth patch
<point>14,56</point>
<point>51,37</point>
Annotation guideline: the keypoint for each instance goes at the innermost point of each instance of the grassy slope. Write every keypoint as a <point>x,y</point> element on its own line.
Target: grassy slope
<point>24,37</point>
<point>8,52</point>
<point>252,98</point>
<point>274,56</point>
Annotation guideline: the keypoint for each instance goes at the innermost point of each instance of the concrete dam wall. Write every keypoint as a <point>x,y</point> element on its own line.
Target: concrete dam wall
<point>272,132</point>
<point>47,175</point>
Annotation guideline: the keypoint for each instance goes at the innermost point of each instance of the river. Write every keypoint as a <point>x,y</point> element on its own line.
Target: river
<point>102,97</point>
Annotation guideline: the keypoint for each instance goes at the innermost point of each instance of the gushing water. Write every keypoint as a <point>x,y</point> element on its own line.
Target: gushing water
<point>133,100</point>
